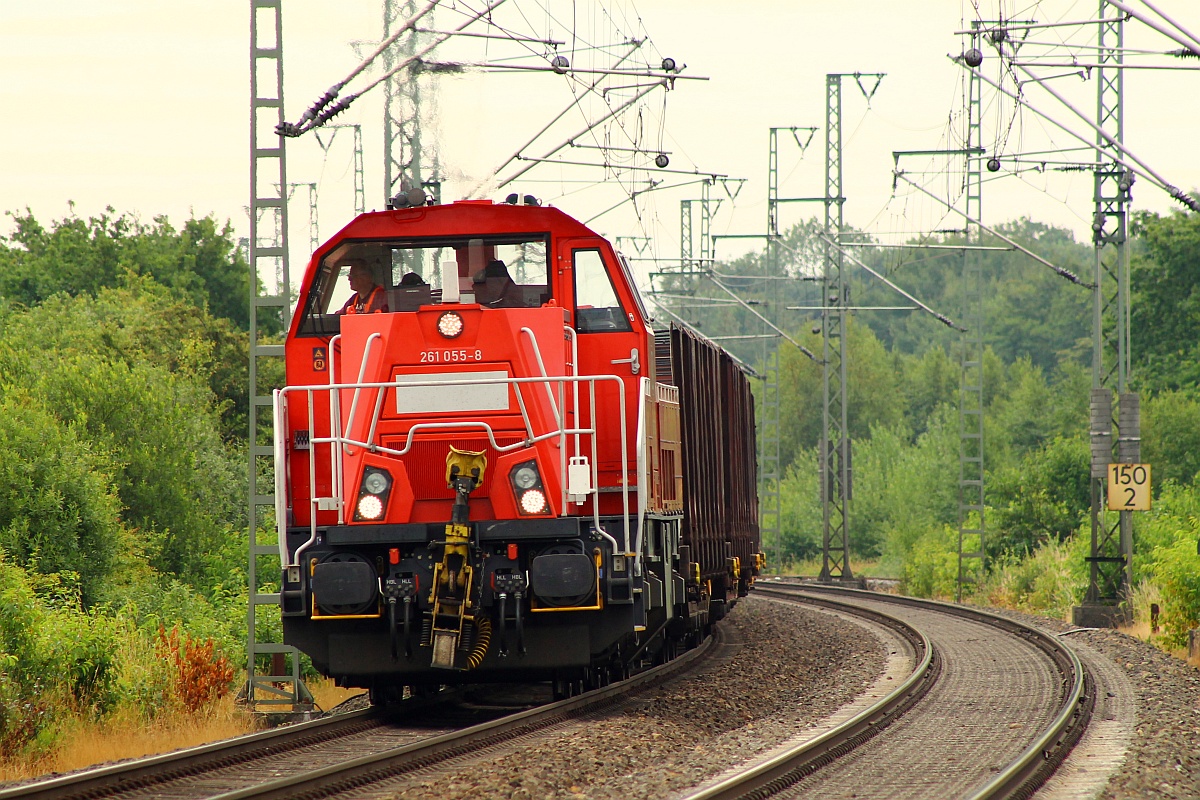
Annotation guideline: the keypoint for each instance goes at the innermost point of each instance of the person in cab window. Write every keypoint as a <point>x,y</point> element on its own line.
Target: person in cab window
<point>368,297</point>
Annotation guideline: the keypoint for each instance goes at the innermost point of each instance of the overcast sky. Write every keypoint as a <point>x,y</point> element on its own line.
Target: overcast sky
<point>144,106</point>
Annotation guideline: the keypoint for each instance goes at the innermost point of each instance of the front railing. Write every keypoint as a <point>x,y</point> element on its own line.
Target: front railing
<point>342,443</point>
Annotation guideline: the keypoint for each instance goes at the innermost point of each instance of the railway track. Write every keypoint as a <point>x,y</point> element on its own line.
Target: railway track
<point>336,754</point>
<point>989,710</point>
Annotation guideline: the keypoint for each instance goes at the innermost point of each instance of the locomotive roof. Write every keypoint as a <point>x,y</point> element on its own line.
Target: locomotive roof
<point>457,218</point>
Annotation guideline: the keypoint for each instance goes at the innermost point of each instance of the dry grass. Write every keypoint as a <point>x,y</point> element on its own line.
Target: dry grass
<point>86,742</point>
<point>327,694</point>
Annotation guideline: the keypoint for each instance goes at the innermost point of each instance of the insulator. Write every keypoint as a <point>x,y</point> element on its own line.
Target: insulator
<point>973,57</point>
<point>661,160</point>
<point>993,164</point>
<point>560,64</point>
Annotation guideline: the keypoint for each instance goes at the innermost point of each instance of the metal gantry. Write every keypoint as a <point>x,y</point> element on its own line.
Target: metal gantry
<point>971,520</point>
<point>403,157</point>
<point>1111,559</point>
<point>280,687</point>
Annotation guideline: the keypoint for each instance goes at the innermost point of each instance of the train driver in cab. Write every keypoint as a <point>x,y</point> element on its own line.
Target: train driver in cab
<point>369,297</point>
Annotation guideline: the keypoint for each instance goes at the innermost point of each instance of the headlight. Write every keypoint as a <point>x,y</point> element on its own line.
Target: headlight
<point>375,483</point>
<point>450,324</point>
<point>370,507</point>
<point>525,477</point>
<point>532,501</point>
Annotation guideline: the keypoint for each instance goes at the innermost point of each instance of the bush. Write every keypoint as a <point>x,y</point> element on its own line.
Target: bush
<point>54,660</point>
<point>931,569</point>
<point>1050,580</point>
<point>202,675</point>
<point>1165,541</point>
<point>1043,498</point>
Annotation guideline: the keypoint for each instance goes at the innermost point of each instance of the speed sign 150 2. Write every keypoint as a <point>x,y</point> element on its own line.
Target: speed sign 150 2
<point>1129,487</point>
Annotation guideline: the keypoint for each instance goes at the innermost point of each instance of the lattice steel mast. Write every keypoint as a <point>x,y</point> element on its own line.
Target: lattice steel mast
<point>403,158</point>
<point>971,522</point>
<point>770,504</point>
<point>835,440</point>
<point>1111,559</point>
<point>281,685</point>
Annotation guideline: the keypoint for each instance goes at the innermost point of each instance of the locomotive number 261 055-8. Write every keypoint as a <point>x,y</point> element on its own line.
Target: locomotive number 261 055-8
<point>450,356</point>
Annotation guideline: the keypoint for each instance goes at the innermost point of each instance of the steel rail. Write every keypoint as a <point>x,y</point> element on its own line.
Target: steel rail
<point>170,766</point>
<point>380,766</point>
<point>1038,761</point>
<point>786,768</point>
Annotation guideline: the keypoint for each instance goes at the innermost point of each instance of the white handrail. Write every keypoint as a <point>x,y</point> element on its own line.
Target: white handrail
<point>340,441</point>
<point>335,424</point>
<point>537,353</point>
<point>574,339</point>
<point>362,372</point>
<point>279,410</point>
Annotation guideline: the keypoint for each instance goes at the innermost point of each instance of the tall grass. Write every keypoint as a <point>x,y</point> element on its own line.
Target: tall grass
<point>83,741</point>
<point>1047,581</point>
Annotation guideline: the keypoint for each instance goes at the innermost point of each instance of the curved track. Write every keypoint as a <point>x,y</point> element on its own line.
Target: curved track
<point>338,753</point>
<point>1007,704</point>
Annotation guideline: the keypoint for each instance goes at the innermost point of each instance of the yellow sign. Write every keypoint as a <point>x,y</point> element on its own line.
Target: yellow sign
<point>1128,487</point>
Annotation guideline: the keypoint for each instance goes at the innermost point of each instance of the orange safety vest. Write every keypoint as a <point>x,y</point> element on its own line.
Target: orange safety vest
<point>374,304</point>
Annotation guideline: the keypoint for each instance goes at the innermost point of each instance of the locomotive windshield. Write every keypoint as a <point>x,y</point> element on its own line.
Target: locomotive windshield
<point>496,271</point>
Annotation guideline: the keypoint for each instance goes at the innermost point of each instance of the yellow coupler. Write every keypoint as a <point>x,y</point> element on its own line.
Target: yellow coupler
<point>453,576</point>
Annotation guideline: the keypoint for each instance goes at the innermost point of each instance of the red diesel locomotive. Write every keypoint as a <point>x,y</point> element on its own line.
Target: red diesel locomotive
<point>496,469</point>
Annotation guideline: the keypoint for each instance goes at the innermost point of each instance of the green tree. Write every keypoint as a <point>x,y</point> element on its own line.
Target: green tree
<point>142,321</point>
<point>1165,308</point>
<point>58,512</point>
<point>1043,497</point>
<point>201,262</point>
<point>1171,437</point>
<point>131,382</point>
<point>871,399</point>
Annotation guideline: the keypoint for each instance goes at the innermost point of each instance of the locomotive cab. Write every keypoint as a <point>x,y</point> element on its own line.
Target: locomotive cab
<point>478,474</point>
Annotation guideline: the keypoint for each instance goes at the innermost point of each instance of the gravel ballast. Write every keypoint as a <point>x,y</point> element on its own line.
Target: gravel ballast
<point>794,667</point>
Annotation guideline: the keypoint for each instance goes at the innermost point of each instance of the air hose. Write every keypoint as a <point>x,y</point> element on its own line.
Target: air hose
<point>483,637</point>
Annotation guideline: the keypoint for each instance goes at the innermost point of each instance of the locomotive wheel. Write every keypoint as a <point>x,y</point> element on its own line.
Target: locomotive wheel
<point>384,694</point>
<point>568,687</point>
<point>597,678</point>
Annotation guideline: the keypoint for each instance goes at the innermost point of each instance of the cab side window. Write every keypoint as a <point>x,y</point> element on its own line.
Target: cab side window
<point>596,306</point>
